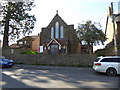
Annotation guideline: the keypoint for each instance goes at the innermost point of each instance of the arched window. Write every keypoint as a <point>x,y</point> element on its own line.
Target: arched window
<point>57,30</point>
<point>61,32</point>
<point>52,32</point>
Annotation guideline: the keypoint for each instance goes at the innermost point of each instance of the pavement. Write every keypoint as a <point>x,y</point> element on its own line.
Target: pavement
<point>45,67</point>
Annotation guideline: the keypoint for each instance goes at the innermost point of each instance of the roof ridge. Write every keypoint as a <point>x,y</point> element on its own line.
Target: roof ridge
<point>57,15</point>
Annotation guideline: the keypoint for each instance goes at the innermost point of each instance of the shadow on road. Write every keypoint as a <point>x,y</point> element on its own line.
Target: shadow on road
<point>76,79</point>
<point>8,82</point>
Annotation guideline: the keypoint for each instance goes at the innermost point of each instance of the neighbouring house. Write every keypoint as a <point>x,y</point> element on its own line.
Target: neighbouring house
<point>109,28</point>
<point>31,42</point>
<point>58,37</point>
<point>84,49</point>
<point>109,49</point>
<point>14,46</point>
<point>110,33</point>
<point>118,35</point>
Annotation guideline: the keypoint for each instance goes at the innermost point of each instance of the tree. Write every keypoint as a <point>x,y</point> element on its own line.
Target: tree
<point>90,34</point>
<point>16,20</point>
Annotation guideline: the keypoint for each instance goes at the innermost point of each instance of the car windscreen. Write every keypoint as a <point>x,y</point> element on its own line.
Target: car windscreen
<point>2,57</point>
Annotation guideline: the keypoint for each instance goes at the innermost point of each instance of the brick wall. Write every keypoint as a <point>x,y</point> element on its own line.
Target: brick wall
<point>62,59</point>
<point>36,43</point>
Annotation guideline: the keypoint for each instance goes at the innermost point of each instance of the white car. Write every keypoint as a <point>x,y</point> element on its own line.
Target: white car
<point>109,65</point>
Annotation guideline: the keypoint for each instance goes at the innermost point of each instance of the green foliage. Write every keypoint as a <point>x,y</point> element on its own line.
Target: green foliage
<point>16,19</point>
<point>29,52</point>
<point>90,34</point>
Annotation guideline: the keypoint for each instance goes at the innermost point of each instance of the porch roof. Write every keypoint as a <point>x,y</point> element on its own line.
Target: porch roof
<point>58,41</point>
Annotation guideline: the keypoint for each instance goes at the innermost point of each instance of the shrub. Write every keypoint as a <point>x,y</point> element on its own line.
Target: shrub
<point>29,52</point>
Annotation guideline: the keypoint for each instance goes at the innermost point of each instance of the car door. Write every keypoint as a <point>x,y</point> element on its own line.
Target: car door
<point>105,63</point>
<point>115,64</point>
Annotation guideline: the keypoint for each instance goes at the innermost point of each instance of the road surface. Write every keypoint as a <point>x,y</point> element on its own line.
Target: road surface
<point>29,76</point>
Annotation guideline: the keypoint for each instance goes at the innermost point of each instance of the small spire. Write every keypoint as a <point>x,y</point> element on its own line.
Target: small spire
<point>57,12</point>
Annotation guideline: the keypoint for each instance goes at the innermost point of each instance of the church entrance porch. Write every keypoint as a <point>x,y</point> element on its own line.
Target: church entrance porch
<point>54,49</point>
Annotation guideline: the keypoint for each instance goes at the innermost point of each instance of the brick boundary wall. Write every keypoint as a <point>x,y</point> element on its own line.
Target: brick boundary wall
<point>62,59</point>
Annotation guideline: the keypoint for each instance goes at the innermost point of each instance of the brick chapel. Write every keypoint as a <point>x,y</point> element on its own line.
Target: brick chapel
<point>58,37</point>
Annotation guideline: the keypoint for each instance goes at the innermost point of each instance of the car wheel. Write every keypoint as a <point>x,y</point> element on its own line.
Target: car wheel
<point>111,72</point>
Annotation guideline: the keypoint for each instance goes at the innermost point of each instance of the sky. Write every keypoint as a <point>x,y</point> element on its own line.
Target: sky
<point>71,11</point>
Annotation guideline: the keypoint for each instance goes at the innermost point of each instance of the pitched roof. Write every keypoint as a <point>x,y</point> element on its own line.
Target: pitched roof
<point>59,41</point>
<point>31,37</point>
<point>53,39</point>
<point>34,37</point>
<point>57,17</point>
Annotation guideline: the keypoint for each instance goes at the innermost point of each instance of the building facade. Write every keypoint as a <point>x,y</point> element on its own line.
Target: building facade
<point>118,37</point>
<point>58,37</point>
<point>110,32</point>
<point>30,42</point>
